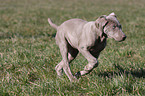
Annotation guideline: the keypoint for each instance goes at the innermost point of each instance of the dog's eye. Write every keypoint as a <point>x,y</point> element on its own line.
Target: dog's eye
<point>114,27</point>
<point>120,26</point>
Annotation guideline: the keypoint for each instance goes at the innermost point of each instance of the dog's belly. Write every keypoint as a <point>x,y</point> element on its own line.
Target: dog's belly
<point>73,41</point>
<point>73,38</point>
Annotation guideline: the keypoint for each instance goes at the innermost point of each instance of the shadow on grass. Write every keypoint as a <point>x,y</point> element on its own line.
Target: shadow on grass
<point>53,35</point>
<point>139,73</point>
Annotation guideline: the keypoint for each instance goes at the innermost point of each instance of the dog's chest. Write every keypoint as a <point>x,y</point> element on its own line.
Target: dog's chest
<point>98,47</point>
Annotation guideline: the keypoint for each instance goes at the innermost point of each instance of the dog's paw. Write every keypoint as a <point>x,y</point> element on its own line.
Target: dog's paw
<point>78,75</point>
<point>59,71</point>
<point>74,79</point>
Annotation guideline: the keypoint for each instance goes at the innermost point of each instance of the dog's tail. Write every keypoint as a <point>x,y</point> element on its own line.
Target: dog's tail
<point>52,24</point>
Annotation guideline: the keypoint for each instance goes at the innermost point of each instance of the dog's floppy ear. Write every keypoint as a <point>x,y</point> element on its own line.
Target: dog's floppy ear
<point>100,23</point>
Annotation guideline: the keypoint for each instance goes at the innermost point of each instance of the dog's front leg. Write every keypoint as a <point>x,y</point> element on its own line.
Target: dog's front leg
<point>92,63</point>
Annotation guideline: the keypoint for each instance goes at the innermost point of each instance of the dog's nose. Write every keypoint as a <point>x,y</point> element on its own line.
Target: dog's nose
<point>124,37</point>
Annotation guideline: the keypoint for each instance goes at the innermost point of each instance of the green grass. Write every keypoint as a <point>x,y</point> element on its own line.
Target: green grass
<point>28,53</point>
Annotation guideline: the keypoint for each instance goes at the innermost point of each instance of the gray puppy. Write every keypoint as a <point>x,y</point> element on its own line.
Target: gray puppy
<point>88,38</point>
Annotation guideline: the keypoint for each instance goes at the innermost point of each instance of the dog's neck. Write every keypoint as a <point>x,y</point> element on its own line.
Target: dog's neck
<point>101,35</point>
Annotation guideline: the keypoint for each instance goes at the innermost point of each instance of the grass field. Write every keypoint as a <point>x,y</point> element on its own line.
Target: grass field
<point>28,53</point>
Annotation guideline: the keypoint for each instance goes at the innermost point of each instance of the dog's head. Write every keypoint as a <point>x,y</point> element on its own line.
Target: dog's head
<point>110,26</point>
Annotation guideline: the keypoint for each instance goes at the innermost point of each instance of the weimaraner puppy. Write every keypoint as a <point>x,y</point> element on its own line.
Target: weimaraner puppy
<point>88,38</point>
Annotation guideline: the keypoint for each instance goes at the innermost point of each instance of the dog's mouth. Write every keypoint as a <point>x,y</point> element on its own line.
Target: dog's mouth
<point>120,39</point>
<point>117,36</point>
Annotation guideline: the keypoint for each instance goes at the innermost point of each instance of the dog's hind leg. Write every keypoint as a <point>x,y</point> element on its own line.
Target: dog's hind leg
<point>58,68</point>
<point>63,45</point>
<point>72,53</point>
